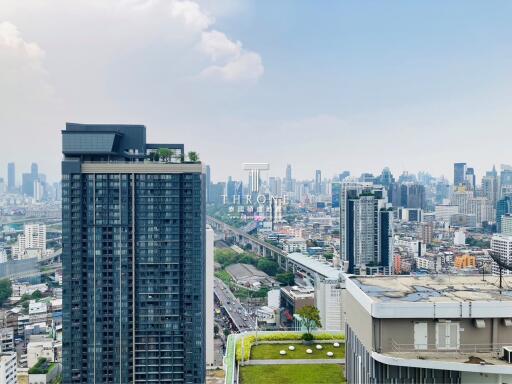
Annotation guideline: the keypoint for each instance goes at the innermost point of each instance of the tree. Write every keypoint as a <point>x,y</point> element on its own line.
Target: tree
<point>310,316</point>
<point>193,156</point>
<point>37,295</point>
<point>165,154</point>
<point>5,290</point>
<point>286,278</point>
<point>270,267</point>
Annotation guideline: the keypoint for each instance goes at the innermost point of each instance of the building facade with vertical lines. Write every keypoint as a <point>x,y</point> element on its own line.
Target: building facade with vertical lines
<point>133,258</point>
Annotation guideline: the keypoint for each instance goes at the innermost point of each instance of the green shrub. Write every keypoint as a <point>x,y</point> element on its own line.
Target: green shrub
<point>307,337</point>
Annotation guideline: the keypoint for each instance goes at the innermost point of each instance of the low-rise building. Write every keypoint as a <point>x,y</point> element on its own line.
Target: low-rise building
<point>436,329</point>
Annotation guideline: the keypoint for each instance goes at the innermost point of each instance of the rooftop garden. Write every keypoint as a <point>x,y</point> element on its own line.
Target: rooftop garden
<point>292,374</point>
<point>265,351</point>
<point>42,367</point>
<point>168,155</point>
<point>298,351</point>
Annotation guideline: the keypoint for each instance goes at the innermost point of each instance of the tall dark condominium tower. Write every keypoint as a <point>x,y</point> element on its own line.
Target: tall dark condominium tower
<point>133,259</point>
<point>11,177</point>
<point>366,228</point>
<point>459,174</point>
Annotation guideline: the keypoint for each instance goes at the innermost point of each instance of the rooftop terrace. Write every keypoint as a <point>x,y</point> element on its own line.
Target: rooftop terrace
<point>434,289</point>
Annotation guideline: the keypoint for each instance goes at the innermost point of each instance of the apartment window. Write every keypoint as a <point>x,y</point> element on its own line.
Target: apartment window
<point>447,335</point>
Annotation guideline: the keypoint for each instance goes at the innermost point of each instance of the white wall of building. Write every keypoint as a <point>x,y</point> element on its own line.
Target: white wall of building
<point>8,368</point>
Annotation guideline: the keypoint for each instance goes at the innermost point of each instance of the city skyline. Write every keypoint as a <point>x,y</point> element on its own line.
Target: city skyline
<point>345,81</point>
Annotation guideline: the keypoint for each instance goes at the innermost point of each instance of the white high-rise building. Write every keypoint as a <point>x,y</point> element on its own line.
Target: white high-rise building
<point>502,245</point>
<point>506,224</point>
<point>8,368</point>
<point>33,239</point>
<point>328,301</point>
<point>209,334</point>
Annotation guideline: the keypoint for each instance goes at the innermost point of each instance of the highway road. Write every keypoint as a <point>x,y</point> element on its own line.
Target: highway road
<point>242,319</point>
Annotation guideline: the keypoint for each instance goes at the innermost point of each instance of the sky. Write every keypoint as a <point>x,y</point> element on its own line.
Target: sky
<point>329,85</point>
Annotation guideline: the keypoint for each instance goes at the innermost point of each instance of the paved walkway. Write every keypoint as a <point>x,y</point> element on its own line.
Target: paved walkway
<point>295,361</point>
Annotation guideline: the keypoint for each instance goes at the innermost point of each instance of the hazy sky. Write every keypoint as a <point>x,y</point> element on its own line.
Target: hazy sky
<point>332,85</point>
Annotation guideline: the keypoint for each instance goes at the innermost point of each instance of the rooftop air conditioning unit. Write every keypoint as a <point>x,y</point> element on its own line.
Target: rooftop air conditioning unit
<point>507,354</point>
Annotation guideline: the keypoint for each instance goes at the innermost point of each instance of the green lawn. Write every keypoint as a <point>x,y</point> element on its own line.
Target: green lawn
<point>292,374</point>
<point>271,351</point>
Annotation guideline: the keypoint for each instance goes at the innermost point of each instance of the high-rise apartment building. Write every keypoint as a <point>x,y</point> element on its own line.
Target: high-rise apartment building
<point>8,368</point>
<point>31,243</point>
<point>133,259</point>
<point>288,179</point>
<point>11,177</point>
<point>366,228</point>
<point>459,174</point>
<point>502,246</point>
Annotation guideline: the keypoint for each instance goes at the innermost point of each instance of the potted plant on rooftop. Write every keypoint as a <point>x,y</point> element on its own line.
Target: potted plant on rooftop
<point>193,157</point>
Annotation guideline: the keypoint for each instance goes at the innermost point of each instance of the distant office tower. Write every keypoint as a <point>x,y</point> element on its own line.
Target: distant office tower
<point>415,196</point>
<point>367,178</point>
<point>34,170</point>
<point>208,183</point>
<point>366,228</point>
<point>503,207</point>
<point>288,180</point>
<point>385,179</point>
<point>275,186</point>
<point>318,182</point>
<point>459,174</point>
<point>343,175</point>
<point>505,181</point>
<point>470,179</point>
<point>442,191</point>
<point>490,187</point>
<point>27,184</point>
<point>335,197</point>
<point>133,259</point>
<point>218,193</point>
<point>11,177</point>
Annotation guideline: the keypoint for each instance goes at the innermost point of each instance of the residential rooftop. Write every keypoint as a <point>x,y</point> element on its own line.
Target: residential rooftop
<point>434,288</point>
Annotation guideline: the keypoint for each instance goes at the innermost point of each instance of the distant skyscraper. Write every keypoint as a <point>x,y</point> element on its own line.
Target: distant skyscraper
<point>459,173</point>
<point>133,260</point>
<point>11,177</point>
<point>503,207</point>
<point>470,179</point>
<point>416,196</point>
<point>27,184</point>
<point>366,228</point>
<point>343,175</point>
<point>336,191</point>
<point>318,182</point>
<point>288,180</point>
<point>490,186</point>
<point>34,170</point>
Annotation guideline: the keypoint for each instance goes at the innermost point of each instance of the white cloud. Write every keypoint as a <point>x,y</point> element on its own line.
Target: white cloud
<point>22,74</point>
<point>245,67</point>
<point>217,45</point>
<point>233,63</point>
<point>191,14</point>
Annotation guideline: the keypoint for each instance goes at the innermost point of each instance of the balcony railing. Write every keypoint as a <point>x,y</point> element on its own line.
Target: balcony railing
<point>461,348</point>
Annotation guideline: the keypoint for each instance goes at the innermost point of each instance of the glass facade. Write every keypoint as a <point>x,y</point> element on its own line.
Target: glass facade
<point>133,265</point>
